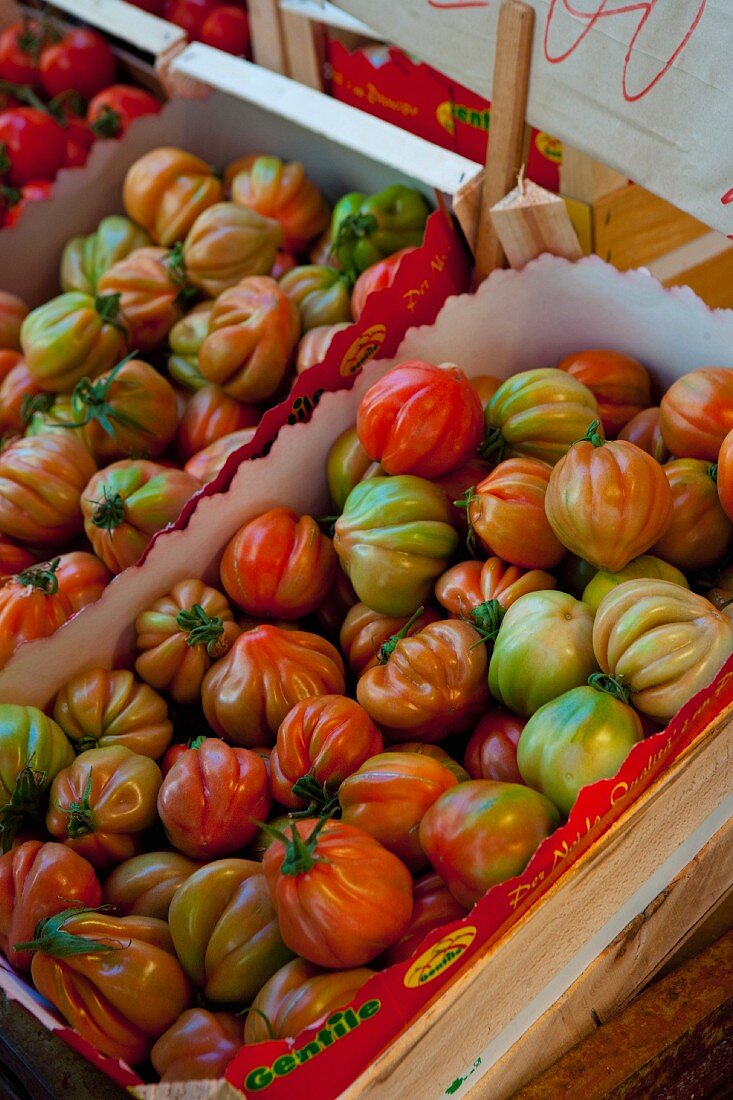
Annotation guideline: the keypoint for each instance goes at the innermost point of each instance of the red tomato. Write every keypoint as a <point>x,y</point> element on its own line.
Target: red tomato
<point>279,565</point>
<point>19,48</point>
<point>421,420</point>
<point>37,881</point>
<point>227,28</point>
<point>79,140</point>
<point>320,742</point>
<point>31,606</point>
<point>212,798</point>
<point>341,897</point>
<point>82,578</point>
<point>155,7</point>
<point>13,558</point>
<point>455,484</point>
<point>491,752</point>
<point>112,110</point>
<point>199,1045</point>
<point>81,62</point>
<point>189,14</point>
<point>170,756</point>
<point>36,191</point>
<point>481,832</point>
<point>433,907</point>
<point>33,143</point>
<point>211,414</point>
<point>377,277</point>
<point>697,413</point>
<point>725,475</point>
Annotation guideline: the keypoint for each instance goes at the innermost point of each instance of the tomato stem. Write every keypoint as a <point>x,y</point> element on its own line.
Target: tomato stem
<point>486,618</point>
<point>41,576</point>
<point>713,472</point>
<point>176,266</point>
<point>387,648</point>
<point>465,501</point>
<point>108,308</point>
<point>322,802</point>
<point>110,512</point>
<point>491,448</point>
<point>80,817</point>
<point>203,629</point>
<point>36,403</point>
<point>50,937</point>
<point>90,402</point>
<point>593,435</point>
<point>300,853</point>
<point>263,1016</point>
<point>611,685</point>
<point>25,801</point>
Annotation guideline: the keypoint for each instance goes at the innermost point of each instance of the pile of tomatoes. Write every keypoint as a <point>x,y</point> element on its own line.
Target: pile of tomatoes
<point>57,96</point>
<point>213,22</point>
<point>180,322</point>
<point>374,716</point>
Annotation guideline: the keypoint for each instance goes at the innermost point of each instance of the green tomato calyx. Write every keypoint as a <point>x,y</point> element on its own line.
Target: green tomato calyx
<point>80,817</point>
<point>35,403</point>
<point>387,648</point>
<point>203,629</point>
<point>90,401</point>
<point>593,435</point>
<point>300,853</point>
<point>43,577</point>
<point>322,802</point>
<point>611,685</point>
<point>108,308</point>
<point>49,936</point>
<point>486,619</point>
<point>110,512</point>
<point>491,448</point>
<point>25,803</point>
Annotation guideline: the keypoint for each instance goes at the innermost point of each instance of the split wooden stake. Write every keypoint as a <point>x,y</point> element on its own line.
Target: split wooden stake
<point>268,42</point>
<point>530,220</point>
<point>507,132</point>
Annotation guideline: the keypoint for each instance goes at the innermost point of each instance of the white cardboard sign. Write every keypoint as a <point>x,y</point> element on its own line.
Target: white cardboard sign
<point>645,86</point>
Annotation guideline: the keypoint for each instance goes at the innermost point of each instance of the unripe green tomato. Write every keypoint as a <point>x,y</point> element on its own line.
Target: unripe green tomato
<point>644,566</point>
<point>580,737</point>
<point>544,648</point>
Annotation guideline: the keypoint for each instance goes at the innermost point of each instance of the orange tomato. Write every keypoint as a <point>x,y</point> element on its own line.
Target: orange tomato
<point>226,243</point>
<point>166,190</point>
<point>253,332</point>
<point>608,502</point>
<point>313,345</point>
<point>16,390</point>
<point>619,383</point>
<point>153,293</point>
<point>144,885</point>
<point>724,475</point>
<point>98,708</point>
<point>697,413</point>
<point>465,588</point>
<point>208,463</point>
<point>281,191</point>
<point>42,479</point>
<point>485,386</point>
<point>198,1046</point>
<point>210,414</point>
<point>364,632</point>
<point>506,512</point>
<point>700,531</point>
<point>82,578</point>
<point>645,431</point>
<point>300,995</point>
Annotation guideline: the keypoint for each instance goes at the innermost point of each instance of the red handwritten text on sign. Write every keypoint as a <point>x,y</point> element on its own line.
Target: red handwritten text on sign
<point>662,25</point>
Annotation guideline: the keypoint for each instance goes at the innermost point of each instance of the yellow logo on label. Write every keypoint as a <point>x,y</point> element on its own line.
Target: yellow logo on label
<point>550,147</point>
<point>448,114</point>
<point>364,348</point>
<point>439,957</point>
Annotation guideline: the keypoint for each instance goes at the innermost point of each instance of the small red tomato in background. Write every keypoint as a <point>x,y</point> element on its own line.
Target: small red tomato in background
<point>189,14</point>
<point>79,140</point>
<point>491,752</point>
<point>112,110</point>
<point>20,45</point>
<point>33,143</point>
<point>377,277</point>
<point>81,62</point>
<point>155,7</point>
<point>35,191</point>
<point>227,28</point>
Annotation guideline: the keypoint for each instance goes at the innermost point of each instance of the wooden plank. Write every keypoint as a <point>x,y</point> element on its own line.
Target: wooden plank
<point>268,44</point>
<point>631,227</point>
<point>304,47</point>
<point>712,280</point>
<point>585,179</point>
<point>507,140</point>
<point>561,935</point>
<point>669,1031</point>
<point>188,1090</point>
<point>646,946</point>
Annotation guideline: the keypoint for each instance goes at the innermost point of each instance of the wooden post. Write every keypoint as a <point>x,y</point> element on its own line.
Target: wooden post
<point>304,47</point>
<point>530,221</point>
<point>268,43</point>
<point>505,154</point>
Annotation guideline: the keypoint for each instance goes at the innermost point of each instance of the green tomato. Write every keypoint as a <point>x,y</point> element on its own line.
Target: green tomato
<point>366,230</point>
<point>394,538</point>
<point>640,568</point>
<point>576,739</point>
<point>33,750</point>
<point>86,259</point>
<point>544,648</point>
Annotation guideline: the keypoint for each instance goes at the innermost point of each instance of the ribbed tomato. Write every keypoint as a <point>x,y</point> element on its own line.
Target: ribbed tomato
<point>33,750</point>
<point>379,276</point>
<point>697,413</point>
<point>506,512</point>
<point>313,345</point>
<point>434,906</point>
<point>144,885</point>
<point>420,419</point>
<point>17,389</point>
<point>209,415</point>
<point>102,802</point>
<point>608,502</point>
<point>700,531</point>
<point>473,589</point>
<point>279,565</point>
<point>321,294</point>
<point>31,607</point>
<point>491,752</point>
<point>13,312</point>
<point>347,465</point>
<point>281,191</point>
<point>13,558</point>
<point>37,881</point>
<point>724,476</point>
<point>449,664</point>
<point>166,190</point>
<point>212,799</point>
<point>99,708</point>
<point>73,336</point>
<point>364,632</point>
<point>227,243</point>
<point>300,995</point>
<point>206,464</point>
<point>180,636</point>
<point>619,383</point>
<point>645,431</point>
<point>341,898</point>
<point>153,293</point>
<point>225,930</point>
<point>320,742</point>
<point>389,795</point>
<point>455,485</point>
<point>645,566</point>
<point>82,578</point>
<point>42,480</point>
<point>198,1046</point>
<point>267,671</point>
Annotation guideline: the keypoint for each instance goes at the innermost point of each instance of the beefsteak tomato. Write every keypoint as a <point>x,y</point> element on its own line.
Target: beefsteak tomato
<point>73,336</point>
<point>491,752</point>
<point>300,995</point>
<point>198,1046</point>
<point>166,190</point>
<point>42,479</point>
<point>283,192</point>
<point>697,413</point>
<point>144,885</point>
<point>227,243</point>
<point>619,383</point>
<point>97,709</point>
<point>700,531</point>
<point>506,512</point>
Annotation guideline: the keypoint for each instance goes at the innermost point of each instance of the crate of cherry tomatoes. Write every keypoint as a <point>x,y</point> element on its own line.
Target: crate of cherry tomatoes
<point>389,698</point>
